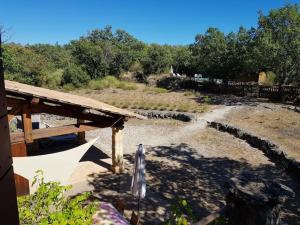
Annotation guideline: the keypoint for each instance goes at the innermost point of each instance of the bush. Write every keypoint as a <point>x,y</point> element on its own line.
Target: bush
<point>271,78</point>
<point>23,65</point>
<point>207,99</point>
<point>181,214</point>
<point>48,205</point>
<point>74,75</point>
<point>111,82</point>
<point>53,80</point>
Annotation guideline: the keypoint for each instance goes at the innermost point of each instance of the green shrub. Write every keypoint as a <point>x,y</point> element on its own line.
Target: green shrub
<point>49,205</point>
<point>126,86</point>
<point>271,78</point>
<point>207,99</point>
<point>74,75</point>
<point>24,65</point>
<point>69,87</point>
<point>181,214</point>
<point>111,82</point>
<point>53,80</point>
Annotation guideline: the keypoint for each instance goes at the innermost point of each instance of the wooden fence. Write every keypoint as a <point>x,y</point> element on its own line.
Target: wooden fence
<point>284,93</point>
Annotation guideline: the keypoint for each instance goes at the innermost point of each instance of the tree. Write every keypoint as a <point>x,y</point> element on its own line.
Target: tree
<point>209,53</point>
<point>97,35</point>
<point>74,75</point>
<point>57,55</point>
<point>181,59</point>
<point>91,56</point>
<point>24,65</point>
<point>278,43</point>
<point>157,60</point>
<point>240,59</point>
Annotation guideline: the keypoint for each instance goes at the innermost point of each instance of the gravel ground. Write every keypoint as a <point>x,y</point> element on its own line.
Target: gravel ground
<point>205,141</point>
<point>156,132</point>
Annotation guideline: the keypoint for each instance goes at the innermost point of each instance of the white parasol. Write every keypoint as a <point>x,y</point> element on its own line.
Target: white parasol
<point>138,184</point>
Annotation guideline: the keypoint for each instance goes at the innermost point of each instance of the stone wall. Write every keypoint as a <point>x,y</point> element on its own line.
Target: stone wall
<point>156,114</point>
<point>271,150</point>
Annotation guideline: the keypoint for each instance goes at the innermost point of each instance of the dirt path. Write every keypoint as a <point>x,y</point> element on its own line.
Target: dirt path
<point>200,123</point>
<point>157,132</point>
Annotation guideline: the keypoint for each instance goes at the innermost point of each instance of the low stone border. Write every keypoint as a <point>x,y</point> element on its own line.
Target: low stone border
<point>271,150</point>
<point>156,114</point>
<point>293,108</point>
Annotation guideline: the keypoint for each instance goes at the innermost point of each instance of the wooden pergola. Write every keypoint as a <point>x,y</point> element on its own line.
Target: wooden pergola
<point>25,100</point>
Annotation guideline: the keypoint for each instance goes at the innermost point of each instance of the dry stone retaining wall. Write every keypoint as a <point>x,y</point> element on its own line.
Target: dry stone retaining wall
<point>156,114</point>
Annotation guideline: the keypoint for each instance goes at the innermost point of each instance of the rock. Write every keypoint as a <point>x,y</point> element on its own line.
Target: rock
<point>255,201</point>
<point>156,114</point>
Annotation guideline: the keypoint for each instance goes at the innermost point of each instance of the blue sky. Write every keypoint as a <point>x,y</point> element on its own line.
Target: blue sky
<point>156,21</point>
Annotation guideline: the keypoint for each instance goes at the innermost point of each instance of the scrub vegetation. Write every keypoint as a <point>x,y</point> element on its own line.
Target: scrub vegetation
<point>273,45</point>
<point>49,205</point>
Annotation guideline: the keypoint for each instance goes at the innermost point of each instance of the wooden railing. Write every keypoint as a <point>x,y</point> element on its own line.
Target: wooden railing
<point>285,93</point>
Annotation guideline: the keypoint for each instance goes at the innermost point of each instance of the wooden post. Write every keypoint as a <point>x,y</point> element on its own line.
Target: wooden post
<point>8,203</point>
<point>27,124</point>
<point>117,149</point>
<point>19,149</point>
<point>81,135</point>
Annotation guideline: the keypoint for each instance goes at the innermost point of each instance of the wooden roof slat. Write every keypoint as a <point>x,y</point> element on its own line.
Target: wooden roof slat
<point>65,98</point>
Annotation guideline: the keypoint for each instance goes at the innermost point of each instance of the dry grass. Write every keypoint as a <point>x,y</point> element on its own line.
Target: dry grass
<point>218,144</point>
<point>147,98</point>
<point>111,82</point>
<point>279,125</point>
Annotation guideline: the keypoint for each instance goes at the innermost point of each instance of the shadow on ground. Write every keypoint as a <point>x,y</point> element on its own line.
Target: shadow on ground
<point>178,171</point>
<point>96,156</point>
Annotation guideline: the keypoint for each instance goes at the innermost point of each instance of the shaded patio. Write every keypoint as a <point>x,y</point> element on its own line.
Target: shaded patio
<point>26,100</point>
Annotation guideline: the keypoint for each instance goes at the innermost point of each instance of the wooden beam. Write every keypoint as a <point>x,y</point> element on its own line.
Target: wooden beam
<point>13,95</point>
<point>27,123</point>
<point>81,135</point>
<point>117,149</point>
<point>8,203</point>
<point>67,111</point>
<point>13,112</point>
<point>19,149</point>
<point>57,131</point>
<point>35,101</point>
